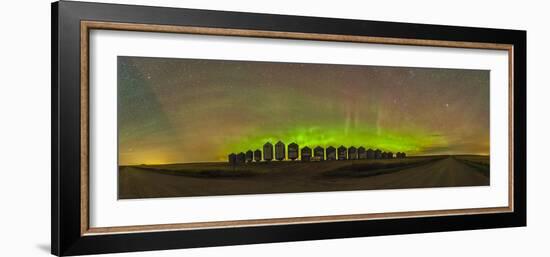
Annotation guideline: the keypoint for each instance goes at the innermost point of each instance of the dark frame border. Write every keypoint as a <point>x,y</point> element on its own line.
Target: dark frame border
<point>67,238</point>
<point>87,26</point>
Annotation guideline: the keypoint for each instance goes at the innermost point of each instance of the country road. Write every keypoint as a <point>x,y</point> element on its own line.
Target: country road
<point>443,173</point>
<point>447,172</point>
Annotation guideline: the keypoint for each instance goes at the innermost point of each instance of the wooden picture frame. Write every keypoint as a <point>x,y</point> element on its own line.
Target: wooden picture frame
<point>71,25</point>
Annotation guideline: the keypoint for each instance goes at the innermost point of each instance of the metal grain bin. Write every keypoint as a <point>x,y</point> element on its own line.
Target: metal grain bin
<point>232,158</point>
<point>342,153</point>
<point>361,153</point>
<point>306,154</point>
<point>268,151</point>
<point>241,157</point>
<point>370,154</point>
<point>257,155</point>
<point>318,154</point>
<point>352,153</point>
<point>280,151</point>
<point>377,154</point>
<point>331,153</point>
<point>293,151</point>
<point>249,156</point>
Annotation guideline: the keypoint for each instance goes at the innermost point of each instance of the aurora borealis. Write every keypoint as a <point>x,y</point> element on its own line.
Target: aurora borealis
<point>190,110</point>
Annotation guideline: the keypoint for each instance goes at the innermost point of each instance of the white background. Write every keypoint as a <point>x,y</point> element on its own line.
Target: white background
<point>106,211</point>
<point>25,128</point>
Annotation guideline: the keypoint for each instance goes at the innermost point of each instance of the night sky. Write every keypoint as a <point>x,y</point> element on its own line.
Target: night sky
<point>191,110</point>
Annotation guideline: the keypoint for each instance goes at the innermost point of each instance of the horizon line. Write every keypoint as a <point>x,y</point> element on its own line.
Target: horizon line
<point>275,161</point>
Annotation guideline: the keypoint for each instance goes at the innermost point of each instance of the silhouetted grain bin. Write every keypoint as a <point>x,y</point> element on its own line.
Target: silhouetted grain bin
<point>370,154</point>
<point>232,158</point>
<point>293,151</point>
<point>318,153</point>
<point>352,153</point>
<point>268,151</point>
<point>257,155</point>
<point>399,155</point>
<point>342,153</point>
<point>331,153</point>
<point>377,154</point>
<point>280,151</point>
<point>361,153</point>
<point>384,155</point>
<point>240,158</point>
<point>249,156</point>
<point>403,155</point>
<point>390,155</point>
<point>306,154</point>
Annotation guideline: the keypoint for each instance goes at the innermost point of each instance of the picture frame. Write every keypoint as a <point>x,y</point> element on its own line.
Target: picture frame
<point>71,230</point>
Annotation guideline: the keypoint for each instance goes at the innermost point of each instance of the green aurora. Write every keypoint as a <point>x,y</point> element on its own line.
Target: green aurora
<point>191,110</point>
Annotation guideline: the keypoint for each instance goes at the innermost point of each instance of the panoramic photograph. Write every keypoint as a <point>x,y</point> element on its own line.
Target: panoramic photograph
<point>200,127</point>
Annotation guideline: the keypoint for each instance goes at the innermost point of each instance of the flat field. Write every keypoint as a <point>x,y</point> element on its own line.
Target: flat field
<point>209,179</point>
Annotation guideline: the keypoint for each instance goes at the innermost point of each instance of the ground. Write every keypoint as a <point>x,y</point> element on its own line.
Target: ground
<point>207,179</point>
